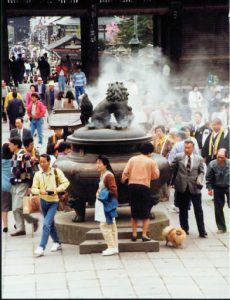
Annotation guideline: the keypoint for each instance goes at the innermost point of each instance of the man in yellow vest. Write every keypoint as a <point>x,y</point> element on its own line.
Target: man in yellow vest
<point>217,139</point>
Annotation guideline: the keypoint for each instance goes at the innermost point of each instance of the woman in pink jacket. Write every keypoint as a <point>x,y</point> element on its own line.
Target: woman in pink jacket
<point>28,95</point>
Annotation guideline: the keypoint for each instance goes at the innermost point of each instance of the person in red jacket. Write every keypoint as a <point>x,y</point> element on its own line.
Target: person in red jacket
<point>61,72</point>
<point>36,111</point>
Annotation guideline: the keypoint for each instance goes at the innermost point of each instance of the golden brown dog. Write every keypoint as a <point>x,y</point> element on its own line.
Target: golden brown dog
<point>176,236</point>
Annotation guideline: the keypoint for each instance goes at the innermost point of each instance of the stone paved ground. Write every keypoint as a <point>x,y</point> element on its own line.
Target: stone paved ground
<point>200,269</point>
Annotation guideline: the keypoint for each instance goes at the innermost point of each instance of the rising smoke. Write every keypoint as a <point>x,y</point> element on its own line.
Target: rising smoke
<point>144,76</point>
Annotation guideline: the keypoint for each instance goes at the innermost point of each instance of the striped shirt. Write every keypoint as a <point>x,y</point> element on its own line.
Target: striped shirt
<point>79,79</point>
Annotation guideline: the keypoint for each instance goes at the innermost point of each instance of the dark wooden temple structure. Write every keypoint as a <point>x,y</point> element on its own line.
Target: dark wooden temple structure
<point>180,26</point>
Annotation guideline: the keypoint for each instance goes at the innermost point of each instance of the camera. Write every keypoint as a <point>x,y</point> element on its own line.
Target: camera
<point>50,193</point>
<point>20,157</point>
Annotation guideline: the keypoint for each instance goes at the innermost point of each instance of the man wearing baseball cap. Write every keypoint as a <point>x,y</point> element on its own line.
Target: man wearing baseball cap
<point>41,89</point>
<point>50,96</point>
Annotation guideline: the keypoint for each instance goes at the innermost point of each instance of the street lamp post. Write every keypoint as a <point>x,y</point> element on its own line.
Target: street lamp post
<point>134,42</point>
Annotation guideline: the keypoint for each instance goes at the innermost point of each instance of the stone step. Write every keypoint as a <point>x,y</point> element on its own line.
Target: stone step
<point>75,233</point>
<point>123,233</point>
<point>125,245</point>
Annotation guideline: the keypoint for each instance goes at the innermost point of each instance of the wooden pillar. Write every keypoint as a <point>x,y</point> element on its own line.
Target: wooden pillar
<point>5,49</point>
<point>163,34</point>
<point>175,30</point>
<point>89,43</point>
<point>157,41</point>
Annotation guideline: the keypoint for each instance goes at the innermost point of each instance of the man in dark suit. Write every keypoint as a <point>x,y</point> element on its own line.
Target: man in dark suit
<point>200,131</point>
<point>188,174</point>
<point>15,109</point>
<point>20,131</point>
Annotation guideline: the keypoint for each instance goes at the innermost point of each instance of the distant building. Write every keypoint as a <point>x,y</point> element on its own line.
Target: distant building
<point>69,44</point>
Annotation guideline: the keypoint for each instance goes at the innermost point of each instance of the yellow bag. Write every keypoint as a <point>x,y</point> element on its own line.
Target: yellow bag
<point>31,204</point>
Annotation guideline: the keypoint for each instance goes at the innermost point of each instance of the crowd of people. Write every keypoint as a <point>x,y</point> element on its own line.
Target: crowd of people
<point>43,97</point>
<point>196,146</point>
<point>25,70</point>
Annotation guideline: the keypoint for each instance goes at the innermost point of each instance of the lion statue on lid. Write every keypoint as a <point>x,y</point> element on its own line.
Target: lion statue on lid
<point>116,103</point>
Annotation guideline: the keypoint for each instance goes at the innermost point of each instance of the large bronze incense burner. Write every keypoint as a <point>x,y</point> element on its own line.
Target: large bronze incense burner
<point>118,145</point>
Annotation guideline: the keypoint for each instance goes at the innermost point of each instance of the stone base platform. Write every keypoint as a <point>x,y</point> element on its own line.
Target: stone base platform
<point>124,245</point>
<point>75,233</point>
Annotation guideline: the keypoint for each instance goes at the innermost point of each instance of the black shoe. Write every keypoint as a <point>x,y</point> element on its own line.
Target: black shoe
<point>15,227</point>
<point>203,235</point>
<point>77,219</point>
<point>133,238</point>
<point>146,239</point>
<point>5,229</point>
<point>17,233</point>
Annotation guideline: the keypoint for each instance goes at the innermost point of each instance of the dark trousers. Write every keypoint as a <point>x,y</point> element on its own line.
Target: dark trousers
<point>4,115</point>
<point>183,203</point>
<point>176,203</point>
<point>219,201</point>
<point>175,198</point>
<point>15,79</point>
<point>12,123</point>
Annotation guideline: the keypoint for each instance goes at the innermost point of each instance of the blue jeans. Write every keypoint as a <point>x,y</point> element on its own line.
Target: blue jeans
<point>79,90</point>
<point>37,124</point>
<point>61,82</point>
<point>48,210</point>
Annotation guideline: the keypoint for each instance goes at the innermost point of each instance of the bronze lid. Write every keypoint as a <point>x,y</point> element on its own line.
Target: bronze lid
<point>112,137</point>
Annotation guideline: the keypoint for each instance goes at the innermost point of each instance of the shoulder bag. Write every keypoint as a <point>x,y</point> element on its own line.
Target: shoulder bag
<point>63,196</point>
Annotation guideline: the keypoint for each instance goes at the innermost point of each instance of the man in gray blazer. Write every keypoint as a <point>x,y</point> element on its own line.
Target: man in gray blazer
<point>20,131</point>
<point>188,174</point>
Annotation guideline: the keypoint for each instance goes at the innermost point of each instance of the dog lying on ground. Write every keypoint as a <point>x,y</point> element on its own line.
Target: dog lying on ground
<point>176,236</point>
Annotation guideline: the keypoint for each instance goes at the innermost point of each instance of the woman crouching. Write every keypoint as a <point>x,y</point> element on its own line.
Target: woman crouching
<point>106,205</point>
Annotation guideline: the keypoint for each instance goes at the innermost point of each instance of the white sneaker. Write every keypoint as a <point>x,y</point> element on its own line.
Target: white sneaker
<point>39,252</point>
<point>55,247</point>
<point>110,251</point>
